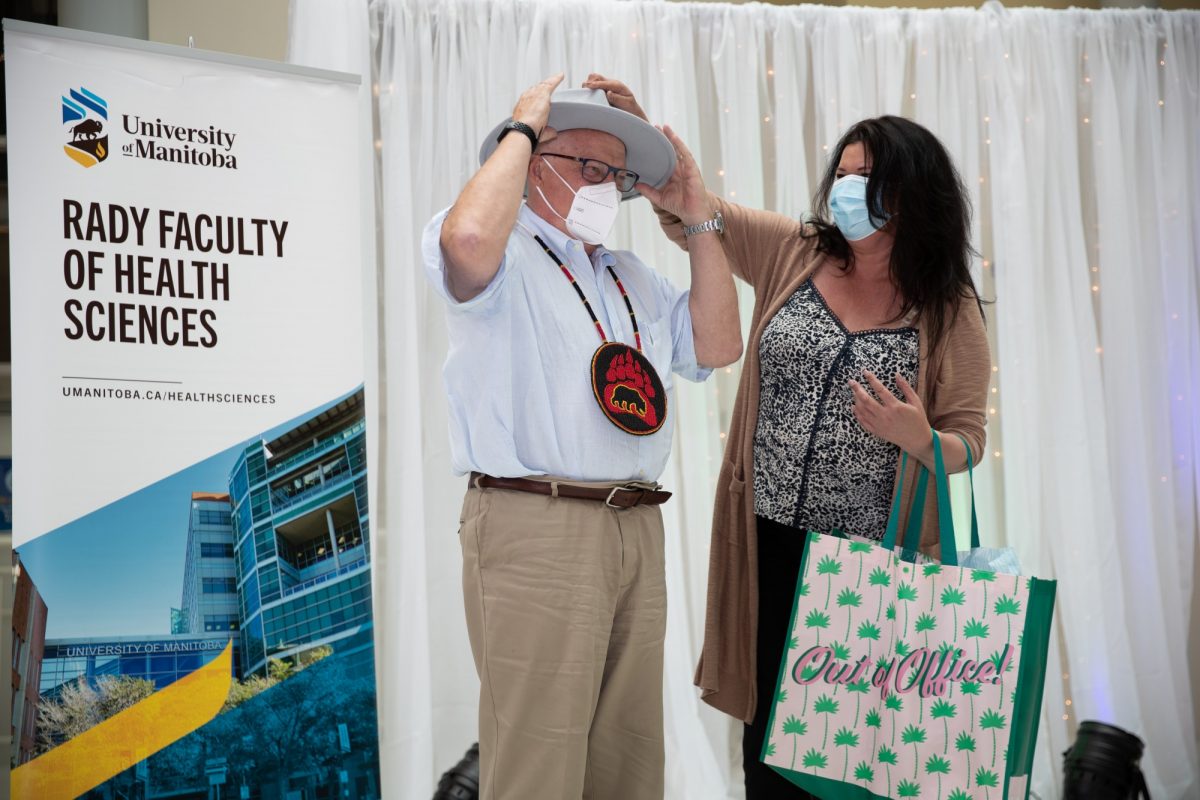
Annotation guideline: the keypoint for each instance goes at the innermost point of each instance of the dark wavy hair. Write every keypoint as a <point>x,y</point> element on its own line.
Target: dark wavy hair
<point>913,177</point>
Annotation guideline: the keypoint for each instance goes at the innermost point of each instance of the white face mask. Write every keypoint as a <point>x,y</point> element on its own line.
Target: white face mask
<point>593,212</point>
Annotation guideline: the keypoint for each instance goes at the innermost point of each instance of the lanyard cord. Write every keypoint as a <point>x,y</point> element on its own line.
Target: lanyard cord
<point>637,337</point>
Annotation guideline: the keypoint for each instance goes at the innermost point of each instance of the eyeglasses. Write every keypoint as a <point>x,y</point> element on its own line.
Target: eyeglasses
<point>597,171</point>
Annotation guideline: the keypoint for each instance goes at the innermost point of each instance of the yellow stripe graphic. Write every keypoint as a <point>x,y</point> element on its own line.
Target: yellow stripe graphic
<point>136,733</point>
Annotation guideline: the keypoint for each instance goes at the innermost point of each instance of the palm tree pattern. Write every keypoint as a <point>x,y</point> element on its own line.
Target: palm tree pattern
<point>965,743</point>
<point>826,706</point>
<point>944,711</point>
<point>860,548</point>
<point>931,599</point>
<point>954,598</point>
<point>988,780</point>
<point>858,689</point>
<point>794,728</point>
<point>936,765</point>
<point>914,736</point>
<point>845,738</point>
<point>870,631</point>
<point>881,578</point>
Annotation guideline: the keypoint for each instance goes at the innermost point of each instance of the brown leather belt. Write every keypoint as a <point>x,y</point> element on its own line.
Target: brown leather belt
<point>615,496</point>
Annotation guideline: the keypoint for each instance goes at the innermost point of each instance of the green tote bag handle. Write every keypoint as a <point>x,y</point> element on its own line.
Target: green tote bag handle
<point>971,475</point>
<point>949,552</point>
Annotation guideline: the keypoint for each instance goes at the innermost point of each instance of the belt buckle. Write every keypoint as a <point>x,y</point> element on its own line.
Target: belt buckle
<point>608,501</point>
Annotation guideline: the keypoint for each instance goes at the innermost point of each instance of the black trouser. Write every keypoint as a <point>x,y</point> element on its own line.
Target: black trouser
<point>780,549</point>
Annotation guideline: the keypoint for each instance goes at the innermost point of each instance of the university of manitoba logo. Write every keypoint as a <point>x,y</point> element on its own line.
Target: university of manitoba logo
<point>85,119</point>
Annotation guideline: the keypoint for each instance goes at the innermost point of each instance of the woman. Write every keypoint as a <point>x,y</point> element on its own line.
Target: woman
<point>867,332</point>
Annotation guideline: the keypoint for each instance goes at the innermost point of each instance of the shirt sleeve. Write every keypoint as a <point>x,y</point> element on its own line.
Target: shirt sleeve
<point>435,268</point>
<point>683,345</point>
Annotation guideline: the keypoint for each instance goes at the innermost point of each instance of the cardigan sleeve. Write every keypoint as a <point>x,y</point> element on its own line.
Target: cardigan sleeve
<point>960,388</point>
<point>752,238</point>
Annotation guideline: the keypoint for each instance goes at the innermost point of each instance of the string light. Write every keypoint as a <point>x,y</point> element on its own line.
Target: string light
<point>770,72</point>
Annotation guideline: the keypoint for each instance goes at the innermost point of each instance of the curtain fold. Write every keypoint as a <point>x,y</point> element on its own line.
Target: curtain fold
<point>1075,134</point>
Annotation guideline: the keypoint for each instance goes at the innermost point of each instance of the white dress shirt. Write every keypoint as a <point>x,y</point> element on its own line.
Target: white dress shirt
<point>518,369</point>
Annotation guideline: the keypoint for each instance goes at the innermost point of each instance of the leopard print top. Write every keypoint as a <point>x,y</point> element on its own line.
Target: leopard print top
<point>815,467</point>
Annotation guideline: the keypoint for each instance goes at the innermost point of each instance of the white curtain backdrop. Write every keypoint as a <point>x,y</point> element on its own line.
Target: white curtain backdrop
<point>1077,135</point>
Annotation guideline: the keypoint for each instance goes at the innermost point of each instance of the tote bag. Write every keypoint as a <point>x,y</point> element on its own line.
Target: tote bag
<point>903,679</point>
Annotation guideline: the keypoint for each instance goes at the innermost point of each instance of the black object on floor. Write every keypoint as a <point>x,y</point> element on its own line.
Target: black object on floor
<point>1103,765</point>
<point>461,782</point>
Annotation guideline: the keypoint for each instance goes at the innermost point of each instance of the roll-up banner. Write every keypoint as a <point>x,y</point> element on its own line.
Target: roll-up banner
<point>191,527</point>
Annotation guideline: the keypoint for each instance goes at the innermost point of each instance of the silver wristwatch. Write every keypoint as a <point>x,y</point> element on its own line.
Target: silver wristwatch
<point>717,223</point>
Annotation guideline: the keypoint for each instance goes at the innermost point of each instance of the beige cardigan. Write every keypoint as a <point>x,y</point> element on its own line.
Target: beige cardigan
<point>766,250</point>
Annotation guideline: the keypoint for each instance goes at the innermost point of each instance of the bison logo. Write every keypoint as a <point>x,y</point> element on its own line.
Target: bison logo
<point>84,116</point>
<point>629,391</point>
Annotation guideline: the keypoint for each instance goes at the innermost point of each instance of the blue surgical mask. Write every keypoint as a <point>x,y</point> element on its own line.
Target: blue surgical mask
<point>848,202</point>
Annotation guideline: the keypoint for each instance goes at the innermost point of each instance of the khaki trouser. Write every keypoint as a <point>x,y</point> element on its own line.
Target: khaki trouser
<point>566,609</point>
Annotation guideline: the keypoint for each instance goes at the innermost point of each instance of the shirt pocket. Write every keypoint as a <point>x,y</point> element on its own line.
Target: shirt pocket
<point>658,346</point>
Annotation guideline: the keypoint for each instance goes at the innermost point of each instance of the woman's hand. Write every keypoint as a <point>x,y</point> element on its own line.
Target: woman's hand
<point>684,195</point>
<point>901,422</point>
<point>619,95</point>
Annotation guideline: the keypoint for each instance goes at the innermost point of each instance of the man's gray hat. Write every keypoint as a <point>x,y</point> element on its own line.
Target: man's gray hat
<point>648,152</point>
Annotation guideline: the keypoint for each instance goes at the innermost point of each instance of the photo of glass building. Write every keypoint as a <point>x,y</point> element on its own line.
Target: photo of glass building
<point>275,557</point>
<point>210,602</point>
<point>162,659</point>
<point>300,519</point>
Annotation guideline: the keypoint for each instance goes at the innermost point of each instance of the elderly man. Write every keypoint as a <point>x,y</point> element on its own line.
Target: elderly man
<point>558,379</point>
